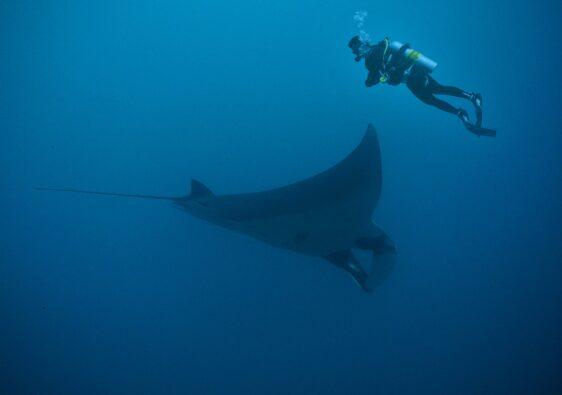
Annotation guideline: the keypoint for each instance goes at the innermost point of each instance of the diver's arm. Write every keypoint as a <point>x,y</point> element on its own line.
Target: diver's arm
<point>372,79</point>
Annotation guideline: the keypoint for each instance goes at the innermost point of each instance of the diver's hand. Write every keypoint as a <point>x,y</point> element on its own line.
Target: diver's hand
<point>372,79</point>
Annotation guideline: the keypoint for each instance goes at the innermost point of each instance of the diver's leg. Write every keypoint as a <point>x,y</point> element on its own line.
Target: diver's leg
<point>462,114</point>
<point>420,84</point>
<point>428,98</point>
<point>424,87</point>
<point>438,89</point>
<point>475,98</point>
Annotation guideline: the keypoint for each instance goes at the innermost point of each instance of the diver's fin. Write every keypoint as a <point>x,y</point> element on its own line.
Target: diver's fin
<point>107,193</point>
<point>479,131</point>
<point>199,190</point>
<point>475,128</point>
<point>477,101</point>
<point>347,261</point>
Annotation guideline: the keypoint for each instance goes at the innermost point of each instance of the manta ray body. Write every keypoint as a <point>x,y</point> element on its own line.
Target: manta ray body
<point>327,215</point>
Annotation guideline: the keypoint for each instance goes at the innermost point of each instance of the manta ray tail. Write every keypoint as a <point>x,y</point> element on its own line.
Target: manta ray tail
<point>108,193</point>
<point>198,190</point>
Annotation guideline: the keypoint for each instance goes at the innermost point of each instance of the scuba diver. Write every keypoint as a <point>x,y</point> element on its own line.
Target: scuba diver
<point>394,63</point>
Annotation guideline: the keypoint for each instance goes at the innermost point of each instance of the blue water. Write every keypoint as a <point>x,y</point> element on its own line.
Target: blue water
<point>117,296</point>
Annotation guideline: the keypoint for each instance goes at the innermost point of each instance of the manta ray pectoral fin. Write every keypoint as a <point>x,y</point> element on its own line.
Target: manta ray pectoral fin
<point>199,190</point>
<point>347,261</point>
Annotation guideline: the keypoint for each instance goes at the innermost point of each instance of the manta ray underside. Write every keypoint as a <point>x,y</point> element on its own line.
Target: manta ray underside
<point>327,215</point>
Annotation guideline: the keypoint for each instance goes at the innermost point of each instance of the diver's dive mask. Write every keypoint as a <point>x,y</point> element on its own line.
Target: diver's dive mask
<point>361,51</point>
<point>359,47</point>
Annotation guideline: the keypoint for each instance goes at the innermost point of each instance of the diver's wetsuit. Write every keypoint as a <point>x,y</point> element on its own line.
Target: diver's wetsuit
<point>379,62</point>
<point>425,87</point>
<point>395,67</point>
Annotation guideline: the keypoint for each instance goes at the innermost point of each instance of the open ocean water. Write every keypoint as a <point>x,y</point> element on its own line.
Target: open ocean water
<point>123,296</point>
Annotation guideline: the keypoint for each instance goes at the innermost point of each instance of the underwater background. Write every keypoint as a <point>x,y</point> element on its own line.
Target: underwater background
<point>102,295</point>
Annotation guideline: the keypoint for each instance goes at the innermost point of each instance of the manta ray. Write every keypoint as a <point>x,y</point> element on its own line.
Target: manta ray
<point>327,215</point>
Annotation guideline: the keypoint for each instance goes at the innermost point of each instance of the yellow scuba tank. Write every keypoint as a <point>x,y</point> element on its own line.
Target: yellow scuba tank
<point>419,60</point>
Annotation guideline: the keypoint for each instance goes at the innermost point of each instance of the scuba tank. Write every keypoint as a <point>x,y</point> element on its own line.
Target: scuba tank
<point>414,56</point>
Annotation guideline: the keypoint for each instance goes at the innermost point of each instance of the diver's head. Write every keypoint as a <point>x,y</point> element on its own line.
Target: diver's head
<point>354,44</point>
<point>358,47</point>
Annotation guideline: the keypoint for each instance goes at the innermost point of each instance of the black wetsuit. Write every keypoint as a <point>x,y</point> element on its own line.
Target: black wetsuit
<point>375,61</point>
<point>424,87</point>
<point>379,63</point>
